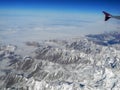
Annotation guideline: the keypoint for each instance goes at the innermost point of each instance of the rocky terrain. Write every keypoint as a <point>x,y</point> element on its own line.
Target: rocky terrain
<point>91,62</point>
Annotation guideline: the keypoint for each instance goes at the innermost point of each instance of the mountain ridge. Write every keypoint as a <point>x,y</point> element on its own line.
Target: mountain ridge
<point>74,64</point>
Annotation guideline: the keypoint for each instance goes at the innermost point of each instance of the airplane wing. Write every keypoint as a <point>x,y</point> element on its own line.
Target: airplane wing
<point>107,15</point>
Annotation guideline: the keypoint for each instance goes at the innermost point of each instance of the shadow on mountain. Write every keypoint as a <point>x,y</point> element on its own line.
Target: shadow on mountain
<point>105,39</point>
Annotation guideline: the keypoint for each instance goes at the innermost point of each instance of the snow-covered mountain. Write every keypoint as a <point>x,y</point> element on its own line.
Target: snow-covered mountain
<point>108,38</point>
<point>91,62</point>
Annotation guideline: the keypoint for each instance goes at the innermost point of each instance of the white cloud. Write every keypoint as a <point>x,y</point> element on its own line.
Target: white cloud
<point>40,28</point>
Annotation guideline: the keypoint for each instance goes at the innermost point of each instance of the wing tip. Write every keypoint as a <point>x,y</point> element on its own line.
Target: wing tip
<point>107,15</point>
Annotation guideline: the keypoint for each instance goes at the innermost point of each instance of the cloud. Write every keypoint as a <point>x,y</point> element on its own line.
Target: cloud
<point>40,28</point>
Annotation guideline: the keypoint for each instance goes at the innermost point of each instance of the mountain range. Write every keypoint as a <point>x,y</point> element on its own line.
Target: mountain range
<point>90,62</point>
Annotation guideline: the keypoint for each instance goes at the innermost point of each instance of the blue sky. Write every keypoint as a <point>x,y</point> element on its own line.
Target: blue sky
<point>89,6</point>
<point>23,20</point>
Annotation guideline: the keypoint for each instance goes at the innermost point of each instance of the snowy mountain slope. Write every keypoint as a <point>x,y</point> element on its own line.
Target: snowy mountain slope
<point>76,64</point>
<point>108,38</point>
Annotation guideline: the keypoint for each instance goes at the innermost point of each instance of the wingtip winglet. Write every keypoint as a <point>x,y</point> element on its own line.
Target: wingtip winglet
<point>107,15</point>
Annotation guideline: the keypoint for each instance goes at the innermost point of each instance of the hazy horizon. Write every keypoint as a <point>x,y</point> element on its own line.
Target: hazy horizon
<point>25,20</point>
